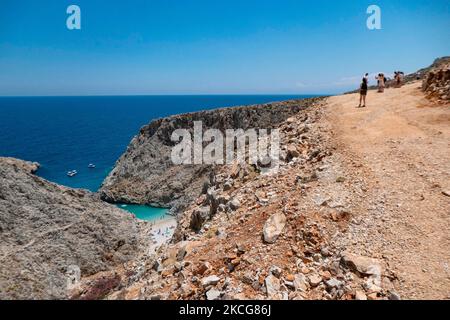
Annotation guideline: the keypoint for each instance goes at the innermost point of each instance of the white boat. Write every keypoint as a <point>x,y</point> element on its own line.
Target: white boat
<point>72,173</point>
<point>91,166</point>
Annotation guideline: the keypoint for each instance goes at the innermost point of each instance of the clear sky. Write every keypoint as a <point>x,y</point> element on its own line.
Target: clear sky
<point>212,47</point>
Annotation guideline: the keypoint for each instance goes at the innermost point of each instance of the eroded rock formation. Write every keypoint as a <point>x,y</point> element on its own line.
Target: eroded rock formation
<point>49,233</point>
<point>436,84</point>
<point>145,174</point>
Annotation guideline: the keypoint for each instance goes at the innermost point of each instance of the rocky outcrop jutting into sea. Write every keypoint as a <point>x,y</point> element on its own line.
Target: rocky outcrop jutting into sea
<point>145,173</point>
<point>48,231</point>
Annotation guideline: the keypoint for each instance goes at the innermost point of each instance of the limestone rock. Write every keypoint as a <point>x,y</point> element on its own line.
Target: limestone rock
<point>213,294</point>
<point>199,217</point>
<point>210,281</point>
<point>300,282</point>
<point>27,166</point>
<point>234,204</point>
<point>273,285</point>
<point>314,280</point>
<point>276,271</point>
<point>394,296</point>
<point>50,233</point>
<point>333,283</point>
<point>274,227</point>
<point>437,81</point>
<point>228,185</point>
<point>292,152</point>
<point>363,265</point>
<point>360,295</point>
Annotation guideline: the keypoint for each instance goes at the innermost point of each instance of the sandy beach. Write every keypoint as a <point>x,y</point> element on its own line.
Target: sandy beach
<point>161,231</point>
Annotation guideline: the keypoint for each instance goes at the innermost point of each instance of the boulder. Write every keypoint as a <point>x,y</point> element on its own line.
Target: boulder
<point>228,185</point>
<point>272,286</point>
<point>276,271</point>
<point>210,281</point>
<point>274,227</point>
<point>213,294</point>
<point>314,280</point>
<point>363,265</point>
<point>333,283</point>
<point>234,204</point>
<point>300,282</point>
<point>292,152</point>
<point>202,268</point>
<point>394,296</point>
<point>212,198</point>
<point>360,295</point>
<point>199,217</point>
<point>185,248</point>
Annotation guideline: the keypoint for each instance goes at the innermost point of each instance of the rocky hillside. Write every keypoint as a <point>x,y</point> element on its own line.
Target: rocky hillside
<point>436,83</point>
<point>145,174</point>
<point>422,74</point>
<point>357,210</point>
<point>268,235</point>
<point>47,232</point>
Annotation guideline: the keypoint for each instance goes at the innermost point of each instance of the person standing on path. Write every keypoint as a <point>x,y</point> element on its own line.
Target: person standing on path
<point>381,82</point>
<point>363,91</point>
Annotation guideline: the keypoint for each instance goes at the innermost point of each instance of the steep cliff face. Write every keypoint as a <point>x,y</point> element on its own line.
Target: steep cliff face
<point>145,174</point>
<point>48,231</point>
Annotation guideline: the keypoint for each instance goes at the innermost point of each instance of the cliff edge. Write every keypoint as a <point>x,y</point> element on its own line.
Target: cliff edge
<point>51,235</point>
<point>145,174</point>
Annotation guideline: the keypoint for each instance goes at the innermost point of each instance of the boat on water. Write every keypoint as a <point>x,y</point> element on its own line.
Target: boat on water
<point>91,166</point>
<point>72,173</point>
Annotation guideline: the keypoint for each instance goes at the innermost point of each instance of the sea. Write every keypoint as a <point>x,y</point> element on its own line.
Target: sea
<point>69,133</point>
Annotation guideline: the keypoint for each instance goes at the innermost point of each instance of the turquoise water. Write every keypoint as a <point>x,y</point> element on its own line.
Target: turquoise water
<point>146,213</point>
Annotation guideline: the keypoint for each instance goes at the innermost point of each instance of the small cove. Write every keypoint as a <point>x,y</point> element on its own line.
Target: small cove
<point>144,212</point>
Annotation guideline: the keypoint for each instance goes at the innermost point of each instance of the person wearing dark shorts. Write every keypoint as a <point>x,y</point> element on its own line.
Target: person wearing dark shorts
<point>363,91</point>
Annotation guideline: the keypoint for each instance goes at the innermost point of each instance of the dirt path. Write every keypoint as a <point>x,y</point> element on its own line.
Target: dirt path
<point>401,144</point>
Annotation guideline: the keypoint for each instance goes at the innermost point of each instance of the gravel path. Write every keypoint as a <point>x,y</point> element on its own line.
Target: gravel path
<point>400,144</point>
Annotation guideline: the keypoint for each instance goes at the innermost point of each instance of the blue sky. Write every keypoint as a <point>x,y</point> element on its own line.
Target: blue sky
<point>212,47</point>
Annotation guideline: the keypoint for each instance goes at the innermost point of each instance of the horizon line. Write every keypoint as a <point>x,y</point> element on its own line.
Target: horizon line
<point>168,95</point>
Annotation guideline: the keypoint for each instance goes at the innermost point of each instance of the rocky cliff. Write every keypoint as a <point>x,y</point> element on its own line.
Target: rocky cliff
<point>436,83</point>
<point>145,173</point>
<point>50,234</point>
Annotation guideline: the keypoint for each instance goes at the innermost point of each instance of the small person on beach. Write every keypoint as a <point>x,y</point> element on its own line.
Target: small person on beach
<point>363,91</point>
